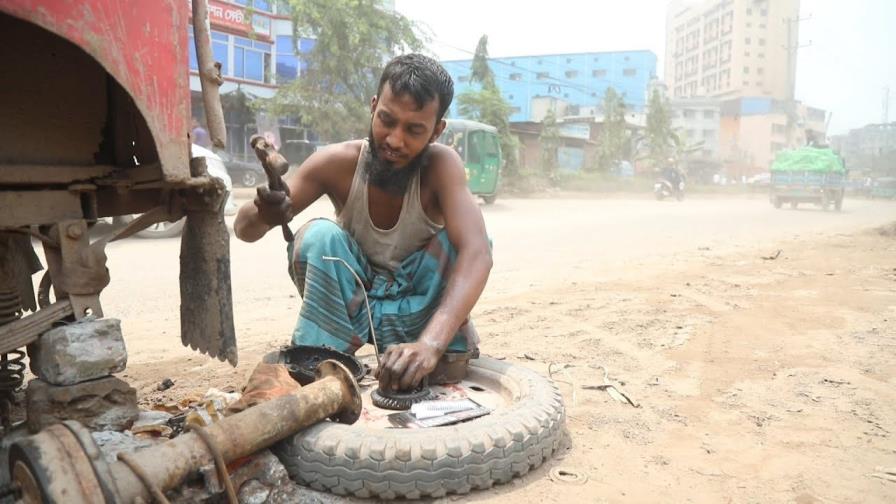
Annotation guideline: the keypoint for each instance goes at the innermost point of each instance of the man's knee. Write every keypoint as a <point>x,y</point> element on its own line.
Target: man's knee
<point>320,237</point>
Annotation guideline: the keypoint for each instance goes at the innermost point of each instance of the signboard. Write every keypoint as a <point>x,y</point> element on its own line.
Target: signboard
<point>570,158</point>
<point>236,18</point>
<point>575,130</point>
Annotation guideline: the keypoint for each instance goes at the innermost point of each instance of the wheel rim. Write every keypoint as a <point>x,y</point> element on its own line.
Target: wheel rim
<point>249,179</point>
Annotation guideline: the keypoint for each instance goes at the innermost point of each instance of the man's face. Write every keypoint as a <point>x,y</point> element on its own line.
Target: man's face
<point>399,129</point>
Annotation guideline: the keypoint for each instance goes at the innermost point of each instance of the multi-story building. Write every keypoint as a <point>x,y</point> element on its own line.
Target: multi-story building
<point>754,130</point>
<point>731,48</point>
<point>696,120</point>
<point>253,41</point>
<point>869,150</point>
<point>569,84</point>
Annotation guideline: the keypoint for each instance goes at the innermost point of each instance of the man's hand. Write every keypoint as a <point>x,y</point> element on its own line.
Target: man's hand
<point>274,207</point>
<point>403,366</point>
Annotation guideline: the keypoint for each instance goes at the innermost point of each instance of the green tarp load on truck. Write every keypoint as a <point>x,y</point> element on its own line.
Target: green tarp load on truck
<point>808,159</point>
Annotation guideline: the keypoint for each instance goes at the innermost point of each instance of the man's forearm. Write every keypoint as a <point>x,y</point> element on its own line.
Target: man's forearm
<point>465,285</point>
<point>248,226</point>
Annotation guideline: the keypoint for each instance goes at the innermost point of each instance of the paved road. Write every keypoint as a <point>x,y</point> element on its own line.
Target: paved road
<point>536,242</point>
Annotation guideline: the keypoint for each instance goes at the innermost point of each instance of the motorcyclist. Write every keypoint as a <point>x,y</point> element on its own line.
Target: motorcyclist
<point>673,175</point>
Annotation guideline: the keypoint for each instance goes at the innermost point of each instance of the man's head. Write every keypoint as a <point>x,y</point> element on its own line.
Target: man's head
<point>406,116</point>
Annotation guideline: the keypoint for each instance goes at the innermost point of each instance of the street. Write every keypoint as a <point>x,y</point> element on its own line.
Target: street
<point>758,379</point>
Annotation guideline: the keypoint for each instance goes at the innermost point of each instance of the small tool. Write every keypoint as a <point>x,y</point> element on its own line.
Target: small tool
<point>275,166</point>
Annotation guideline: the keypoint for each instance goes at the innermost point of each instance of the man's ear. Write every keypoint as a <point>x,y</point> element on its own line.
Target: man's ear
<point>436,133</point>
<point>373,104</point>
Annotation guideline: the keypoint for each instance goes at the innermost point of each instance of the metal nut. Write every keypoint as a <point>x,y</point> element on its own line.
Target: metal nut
<point>74,231</point>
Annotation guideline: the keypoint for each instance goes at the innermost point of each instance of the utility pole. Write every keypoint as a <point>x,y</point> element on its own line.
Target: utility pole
<point>886,106</point>
<point>792,47</point>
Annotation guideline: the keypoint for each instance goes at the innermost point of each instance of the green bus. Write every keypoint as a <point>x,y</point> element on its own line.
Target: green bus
<point>480,148</point>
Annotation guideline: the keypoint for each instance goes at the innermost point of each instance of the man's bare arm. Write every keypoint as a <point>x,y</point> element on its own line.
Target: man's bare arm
<point>307,184</point>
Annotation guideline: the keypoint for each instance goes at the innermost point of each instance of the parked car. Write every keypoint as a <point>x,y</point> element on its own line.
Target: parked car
<point>216,168</point>
<point>243,173</point>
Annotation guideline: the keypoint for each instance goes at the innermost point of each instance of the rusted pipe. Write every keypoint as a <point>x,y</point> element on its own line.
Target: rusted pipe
<point>209,75</point>
<point>334,395</point>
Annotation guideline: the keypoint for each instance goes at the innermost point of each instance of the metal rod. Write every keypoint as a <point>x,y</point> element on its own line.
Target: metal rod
<point>209,75</point>
<point>376,348</point>
<point>168,465</point>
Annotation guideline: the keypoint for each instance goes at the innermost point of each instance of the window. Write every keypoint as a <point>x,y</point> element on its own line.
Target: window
<point>760,71</point>
<point>599,73</point>
<point>287,61</point>
<point>776,146</point>
<point>746,70</point>
<point>709,114</point>
<point>569,60</point>
<point>515,110</point>
<point>220,43</point>
<point>688,113</point>
<point>709,134</point>
<point>538,62</point>
<point>629,72</point>
<point>541,75</point>
<point>510,97</point>
<point>749,12</point>
<point>760,55</point>
<point>762,25</point>
<point>762,41</point>
<point>516,76</point>
<point>251,59</point>
<point>747,41</point>
<point>779,129</point>
<point>763,12</point>
<point>571,74</point>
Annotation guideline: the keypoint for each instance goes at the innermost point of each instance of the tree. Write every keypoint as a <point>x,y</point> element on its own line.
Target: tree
<point>661,140</point>
<point>353,40</point>
<point>488,106</point>
<point>480,71</point>
<point>614,139</point>
<point>550,143</point>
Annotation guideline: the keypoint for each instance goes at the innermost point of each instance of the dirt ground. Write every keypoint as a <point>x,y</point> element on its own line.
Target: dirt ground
<point>758,380</point>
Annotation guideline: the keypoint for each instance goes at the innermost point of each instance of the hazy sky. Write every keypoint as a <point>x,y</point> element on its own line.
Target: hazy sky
<point>851,59</point>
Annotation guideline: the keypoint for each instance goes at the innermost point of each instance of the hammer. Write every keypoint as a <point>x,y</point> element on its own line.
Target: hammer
<point>275,166</point>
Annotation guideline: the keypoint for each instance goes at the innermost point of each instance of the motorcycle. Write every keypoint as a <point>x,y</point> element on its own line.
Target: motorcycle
<point>663,189</point>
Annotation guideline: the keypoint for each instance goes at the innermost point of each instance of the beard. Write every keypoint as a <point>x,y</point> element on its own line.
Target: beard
<point>385,175</point>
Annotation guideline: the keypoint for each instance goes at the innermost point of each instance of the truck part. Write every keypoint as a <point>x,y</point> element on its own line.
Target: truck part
<point>62,464</point>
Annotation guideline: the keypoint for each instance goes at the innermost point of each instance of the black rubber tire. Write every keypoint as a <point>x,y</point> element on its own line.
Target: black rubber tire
<point>419,463</point>
<point>794,204</point>
<point>777,202</point>
<point>164,230</point>
<point>490,199</point>
<point>248,179</point>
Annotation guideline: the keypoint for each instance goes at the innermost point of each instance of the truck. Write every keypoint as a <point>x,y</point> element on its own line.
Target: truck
<point>808,175</point>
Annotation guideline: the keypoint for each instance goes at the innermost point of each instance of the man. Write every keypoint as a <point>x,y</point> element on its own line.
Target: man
<point>408,226</point>
<point>200,136</point>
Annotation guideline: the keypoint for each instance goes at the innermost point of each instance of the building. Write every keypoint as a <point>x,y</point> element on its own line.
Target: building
<point>696,120</point>
<point>571,84</point>
<point>253,41</point>
<point>731,48</point>
<point>753,130</point>
<point>869,150</point>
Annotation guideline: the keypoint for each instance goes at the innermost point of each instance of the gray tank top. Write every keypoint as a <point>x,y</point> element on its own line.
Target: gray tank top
<point>386,248</point>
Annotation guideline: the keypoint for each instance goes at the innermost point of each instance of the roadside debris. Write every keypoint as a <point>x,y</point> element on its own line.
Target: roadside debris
<point>166,384</point>
<point>567,475</point>
<point>773,256</point>
<point>612,389</point>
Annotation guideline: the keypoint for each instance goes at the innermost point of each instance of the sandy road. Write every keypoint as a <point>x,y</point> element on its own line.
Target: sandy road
<point>760,381</point>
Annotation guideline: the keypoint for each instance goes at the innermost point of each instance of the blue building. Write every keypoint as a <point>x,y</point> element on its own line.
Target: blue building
<point>579,80</point>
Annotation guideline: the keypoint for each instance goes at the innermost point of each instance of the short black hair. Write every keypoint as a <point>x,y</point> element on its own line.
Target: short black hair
<point>421,77</point>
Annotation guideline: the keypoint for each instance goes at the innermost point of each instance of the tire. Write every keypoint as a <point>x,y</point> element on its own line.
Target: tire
<point>794,205</point>
<point>838,203</point>
<point>164,230</point>
<point>420,463</point>
<point>659,196</point>
<point>249,179</point>
<point>776,202</point>
<point>490,199</point>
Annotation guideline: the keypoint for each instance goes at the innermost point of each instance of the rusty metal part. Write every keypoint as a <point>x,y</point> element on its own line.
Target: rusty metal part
<point>26,330</point>
<point>23,208</point>
<point>302,362</point>
<point>138,471</point>
<point>12,375</point>
<point>209,75</point>
<point>78,270</point>
<point>452,367</point>
<point>400,399</point>
<point>275,166</point>
<point>62,457</point>
<point>220,465</point>
<point>206,309</point>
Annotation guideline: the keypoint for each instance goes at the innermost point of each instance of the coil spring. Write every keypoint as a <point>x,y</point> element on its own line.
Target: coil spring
<point>12,371</point>
<point>10,306</point>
